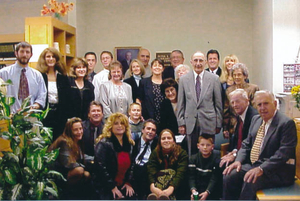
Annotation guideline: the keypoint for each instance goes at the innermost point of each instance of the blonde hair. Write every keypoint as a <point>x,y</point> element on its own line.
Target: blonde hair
<point>225,74</point>
<point>140,64</point>
<point>76,63</point>
<point>107,130</point>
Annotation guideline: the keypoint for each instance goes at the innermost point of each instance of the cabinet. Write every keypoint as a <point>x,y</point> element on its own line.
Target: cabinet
<point>47,30</point>
<point>10,38</point>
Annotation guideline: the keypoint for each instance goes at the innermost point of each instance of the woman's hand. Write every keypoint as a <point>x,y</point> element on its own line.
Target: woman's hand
<point>116,193</point>
<point>168,191</point>
<point>155,190</point>
<point>129,190</point>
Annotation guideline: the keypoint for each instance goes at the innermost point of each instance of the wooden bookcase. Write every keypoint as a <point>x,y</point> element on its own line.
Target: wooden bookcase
<point>10,38</point>
<point>47,30</point>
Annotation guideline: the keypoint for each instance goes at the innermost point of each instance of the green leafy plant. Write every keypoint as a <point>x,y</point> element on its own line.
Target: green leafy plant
<point>25,172</point>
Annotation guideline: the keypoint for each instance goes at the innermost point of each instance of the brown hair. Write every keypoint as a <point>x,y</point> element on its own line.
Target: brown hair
<point>173,156</point>
<point>76,63</point>
<point>113,65</point>
<point>60,65</point>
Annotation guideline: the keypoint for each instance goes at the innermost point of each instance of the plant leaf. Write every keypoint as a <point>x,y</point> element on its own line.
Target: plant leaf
<point>10,176</point>
<point>51,156</point>
<point>17,192</point>
<point>52,191</point>
<point>40,190</point>
<point>56,175</point>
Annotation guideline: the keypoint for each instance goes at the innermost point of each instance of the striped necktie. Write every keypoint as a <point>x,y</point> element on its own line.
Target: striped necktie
<point>255,151</point>
<point>198,87</point>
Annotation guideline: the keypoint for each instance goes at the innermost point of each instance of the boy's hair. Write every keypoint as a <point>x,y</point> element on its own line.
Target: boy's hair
<point>207,137</point>
<point>132,104</point>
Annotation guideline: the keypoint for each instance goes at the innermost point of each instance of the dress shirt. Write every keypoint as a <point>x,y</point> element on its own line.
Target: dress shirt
<point>243,116</point>
<point>147,154</point>
<point>214,71</point>
<point>268,123</point>
<point>36,84</point>
<point>100,78</point>
<point>201,77</point>
<point>52,93</point>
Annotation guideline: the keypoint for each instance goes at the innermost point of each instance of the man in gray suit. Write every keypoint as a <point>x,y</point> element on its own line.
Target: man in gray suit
<point>199,107</point>
<point>267,156</point>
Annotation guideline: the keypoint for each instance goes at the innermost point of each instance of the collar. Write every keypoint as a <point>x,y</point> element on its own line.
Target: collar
<point>214,71</point>
<point>137,77</point>
<point>21,67</point>
<point>201,75</point>
<point>243,116</point>
<point>143,142</point>
<point>131,122</point>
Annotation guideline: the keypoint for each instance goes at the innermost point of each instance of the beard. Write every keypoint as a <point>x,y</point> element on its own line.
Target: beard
<point>23,60</point>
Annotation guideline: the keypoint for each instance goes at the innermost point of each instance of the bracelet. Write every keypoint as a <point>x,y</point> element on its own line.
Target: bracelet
<point>207,192</point>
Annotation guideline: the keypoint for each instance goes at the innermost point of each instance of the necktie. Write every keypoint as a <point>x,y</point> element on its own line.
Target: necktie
<point>257,143</point>
<point>240,133</point>
<point>23,87</point>
<point>198,87</point>
<point>141,156</point>
<point>95,135</point>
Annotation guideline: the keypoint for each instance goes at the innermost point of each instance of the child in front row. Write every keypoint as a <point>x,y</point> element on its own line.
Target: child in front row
<point>135,120</point>
<point>205,176</point>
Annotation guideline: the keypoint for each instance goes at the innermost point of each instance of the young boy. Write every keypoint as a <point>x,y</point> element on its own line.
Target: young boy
<point>205,176</point>
<point>135,120</point>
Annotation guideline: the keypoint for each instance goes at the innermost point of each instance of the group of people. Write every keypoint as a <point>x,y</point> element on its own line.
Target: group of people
<point>118,131</point>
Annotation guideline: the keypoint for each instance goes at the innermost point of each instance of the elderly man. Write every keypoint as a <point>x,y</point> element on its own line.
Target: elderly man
<point>126,61</point>
<point>240,103</point>
<point>141,153</point>
<point>267,156</point>
<point>26,81</point>
<point>199,106</point>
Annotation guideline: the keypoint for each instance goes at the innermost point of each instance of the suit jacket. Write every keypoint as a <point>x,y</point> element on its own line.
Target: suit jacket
<point>137,147</point>
<point>125,65</point>
<point>251,112</point>
<point>277,157</point>
<point>219,71</point>
<point>135,89</point>
<point>169,72</point>
<point>168,117</point>
<point>209,108</point>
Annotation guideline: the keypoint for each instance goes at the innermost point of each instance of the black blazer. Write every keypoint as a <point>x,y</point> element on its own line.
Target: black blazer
<point>251,112</point>
<point>80,105</point>
<point>64,91</point>
<point>168,118</point>
<point>219,71</point>
<point>147,98</point>
<point>137,147</point>
<point>169,72</point>
<point>88,138</point>
<point>135,89</point>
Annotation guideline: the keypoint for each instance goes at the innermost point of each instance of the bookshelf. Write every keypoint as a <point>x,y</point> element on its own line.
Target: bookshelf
<point>49,30</point>
<point>10,38</point>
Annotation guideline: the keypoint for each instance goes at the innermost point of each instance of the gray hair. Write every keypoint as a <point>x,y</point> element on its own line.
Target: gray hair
<point>241,66</point>
<point>179,67</point>
<point>270,94</point>
<point>242,92</point>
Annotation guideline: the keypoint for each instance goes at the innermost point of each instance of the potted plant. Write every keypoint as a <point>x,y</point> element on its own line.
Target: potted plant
<point>25,171</point>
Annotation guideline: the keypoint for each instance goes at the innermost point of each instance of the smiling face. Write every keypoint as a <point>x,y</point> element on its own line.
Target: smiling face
<point>206,147</point>
<point>176,59</point>
<point>149,132</point>
<point>23,55</point>
<point>135,68</point>
<point>213,61</point>
<point>135,112</point>
<point>229,63</point>
<point>181,71</point>
<point>80,71</point>
<point>265,105</point>
<point>116,74</point>
<point>144,57</point>
<point>157,68</point>
<point>198,61</point>
<point>171,94</point>
<point>238,76</point>
<point>95,114</point>
<point>77,131</point>
<point>118,127</point>
<point>50,60</point>
<point>167,141</point>
<point>238,103</point>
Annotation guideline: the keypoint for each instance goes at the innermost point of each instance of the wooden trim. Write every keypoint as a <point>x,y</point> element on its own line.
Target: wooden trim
<point>10,38</point>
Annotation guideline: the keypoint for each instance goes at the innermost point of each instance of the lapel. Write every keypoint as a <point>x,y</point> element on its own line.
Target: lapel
<point>271,131</point>
<point>190,79</point>
<point>204,86</point>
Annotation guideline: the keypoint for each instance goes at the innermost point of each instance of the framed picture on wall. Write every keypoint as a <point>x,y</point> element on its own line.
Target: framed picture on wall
<point>125,55</point>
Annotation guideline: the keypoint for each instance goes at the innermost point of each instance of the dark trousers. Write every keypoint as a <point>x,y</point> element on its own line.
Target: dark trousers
<point>141,183</point>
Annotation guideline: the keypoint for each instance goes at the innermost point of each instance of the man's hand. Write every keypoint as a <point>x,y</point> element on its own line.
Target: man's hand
<point>236,165</point>
<point>228,158</point>
<point>182,130</point>
<point>253,174</point>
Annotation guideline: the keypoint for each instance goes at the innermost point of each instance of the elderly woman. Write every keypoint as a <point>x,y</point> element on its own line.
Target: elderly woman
<point>54,72</point>
<point>71,159</point>
<point>239,73</point>
<point>168,108</point>
<point>115,95</point>
<point>181,70</point>
<point>113,159</point>
<point>150,95</point>
<point>82,91</point>
<point>136,71</point>
<point>167,167</point>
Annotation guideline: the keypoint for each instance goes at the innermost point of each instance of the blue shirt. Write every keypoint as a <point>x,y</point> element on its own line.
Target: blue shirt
<point>36,84</point>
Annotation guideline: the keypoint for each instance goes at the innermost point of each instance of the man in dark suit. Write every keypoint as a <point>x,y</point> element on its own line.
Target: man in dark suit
<point>267,156</point>
<point>91,59</point>
<point>199,106</point>
<point>126,61</point>
<point>240,103</point>
<point>213,60</point>
<point>92,128</point>
<point>141,153</point>
<point>176,58</point>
